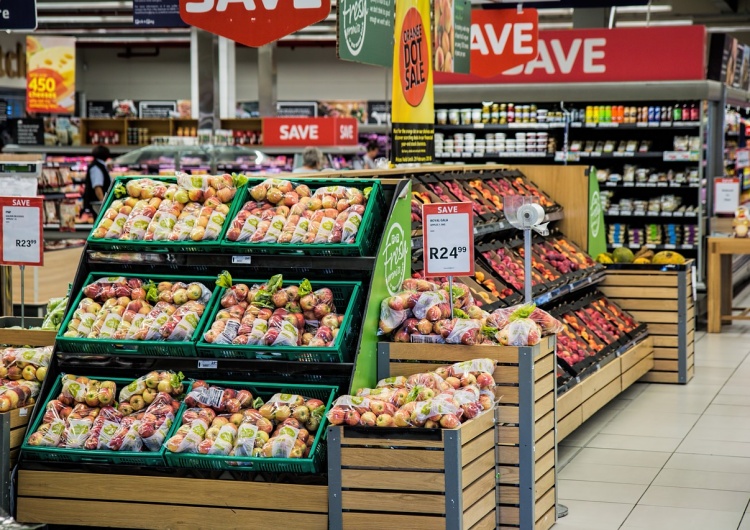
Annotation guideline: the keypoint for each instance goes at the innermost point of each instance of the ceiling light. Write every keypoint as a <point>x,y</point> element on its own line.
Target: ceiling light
<point>80,19</point>
<point>652,23</point>
<point>555,25</point>
<point>727,29</point>
<point>644,9</point>
<point>556,12</point>
<point>68,6</point>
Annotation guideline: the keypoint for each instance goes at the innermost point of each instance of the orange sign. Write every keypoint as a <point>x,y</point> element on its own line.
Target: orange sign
<point>51,75</point>
<point>502,39</point>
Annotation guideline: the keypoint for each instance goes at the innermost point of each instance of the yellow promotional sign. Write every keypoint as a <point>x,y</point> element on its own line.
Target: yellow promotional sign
<point>50,75</point>
<point>413,97</point>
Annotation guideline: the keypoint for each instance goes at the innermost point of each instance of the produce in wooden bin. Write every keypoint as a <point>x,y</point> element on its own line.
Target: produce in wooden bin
<point>282,212</point>
<point>28,364</point>
<point>121,308</point>
<point>194,208</point>
<point>228,422</point>
<point>85,416</point>
<point>17,394</point>
<point>441,399</point>
<point>273,315</point>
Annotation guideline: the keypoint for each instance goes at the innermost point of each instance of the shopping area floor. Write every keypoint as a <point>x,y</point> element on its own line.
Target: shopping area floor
<point>668,457</point>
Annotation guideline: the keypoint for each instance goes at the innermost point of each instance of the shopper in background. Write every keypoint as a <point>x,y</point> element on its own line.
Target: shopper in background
<point>373,149</point>
<point>312,161</point>
<point>97,181</point>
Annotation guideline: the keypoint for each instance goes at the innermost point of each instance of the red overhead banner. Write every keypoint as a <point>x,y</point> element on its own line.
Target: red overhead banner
<point>606,55</point>
<point>502,39</point>
<point>302,132</point>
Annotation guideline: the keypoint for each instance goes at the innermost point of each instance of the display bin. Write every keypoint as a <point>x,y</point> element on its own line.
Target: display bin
<point>158,348</point>
<point>116,245</point>
<point>364,244</point>
<point>525,450</point>
<point>167,501</point>
<point>84,456</point>
<point>25,337</point>
<point>348,295</point>
<point>661,296</point>
<point>312,464</point>
<point>12,433</point>
<point>413,478</point>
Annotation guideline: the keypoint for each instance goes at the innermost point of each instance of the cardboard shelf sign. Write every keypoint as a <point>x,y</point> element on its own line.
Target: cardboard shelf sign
<point>502,39</point>
<point>253,23</point>
<point>448,239</point>
<point>21,231</point>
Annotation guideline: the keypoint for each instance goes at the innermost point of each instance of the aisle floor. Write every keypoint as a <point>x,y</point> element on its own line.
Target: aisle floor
<point>667,457</point>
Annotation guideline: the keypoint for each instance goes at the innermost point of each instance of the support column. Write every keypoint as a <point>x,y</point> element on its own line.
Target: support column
<point>204,78</point>
<point>590,18</point>
<point>267,80</point>
<point>227,78</point>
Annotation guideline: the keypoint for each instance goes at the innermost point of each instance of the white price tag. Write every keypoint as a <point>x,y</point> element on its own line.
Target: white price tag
<point>448,235</point>
<point>21,228</point>
<point>726,194</point>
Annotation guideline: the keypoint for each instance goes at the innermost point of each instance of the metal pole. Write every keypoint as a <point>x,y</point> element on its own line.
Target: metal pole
<point>527,264</point>
<point>23,295</point>
<point>450,294</point>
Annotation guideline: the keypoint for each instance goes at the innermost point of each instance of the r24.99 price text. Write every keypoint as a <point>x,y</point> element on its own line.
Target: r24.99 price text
<point>446,253</point>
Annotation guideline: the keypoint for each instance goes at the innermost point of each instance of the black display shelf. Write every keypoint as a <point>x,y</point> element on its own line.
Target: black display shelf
<point>637,126</point>
<point>492,127</point>
<point>536,155</point>
<point>649,185</point>
<point>655,247</point>
<point>675,217</point>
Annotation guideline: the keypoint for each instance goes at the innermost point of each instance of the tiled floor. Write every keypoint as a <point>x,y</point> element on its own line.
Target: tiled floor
<point>667,457</point>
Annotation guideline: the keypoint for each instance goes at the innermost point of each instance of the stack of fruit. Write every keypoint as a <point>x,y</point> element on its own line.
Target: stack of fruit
<point>29,364</point>
<point>86,416</point>
<point>444,398</point>
<point>227,422</point>
<point>645,256</point>
<point>281,212</point>
<point>194,208</point>
<point>272,315</point>
<point>120,308</point>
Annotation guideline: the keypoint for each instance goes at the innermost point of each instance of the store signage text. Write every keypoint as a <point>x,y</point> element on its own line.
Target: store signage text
<point>309,131</point>
<point>593,55</point>
<point>502,39</point>
<point>21,231</point>
<point>253,23</point>
<point>448,239</point>
<point>18,15</point>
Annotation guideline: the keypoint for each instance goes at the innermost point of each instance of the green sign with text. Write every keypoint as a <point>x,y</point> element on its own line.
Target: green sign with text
<point>365,31</point>
<point>597,236</point>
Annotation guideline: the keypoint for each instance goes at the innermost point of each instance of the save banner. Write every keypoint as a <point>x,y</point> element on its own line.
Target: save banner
<point>51,74</point>
<point>365,31</point>
<point>502,39</point>
<point>413,98</point>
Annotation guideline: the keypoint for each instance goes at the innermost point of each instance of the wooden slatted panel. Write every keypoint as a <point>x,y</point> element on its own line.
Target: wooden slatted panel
<point>601,398</point>
<point>595,382</point>
<point>569,424</point>
<point>663,329</point>
<point>479,510</point>
<point>393,459</point>
<point>544,484</point>
<point>488,523</point>
<point>361,500</point>
<point>666,353</point>
<point>569,401</point>
<point>477,468</point>
<point>656,317</point>
<point>659,293</point>
<point>392,480</point>
<point>643,279</point>
<point>638,371</point>
<point>546,522</point>
<point>645,304</point>
<point>369,521</point>
<point>474,492</point>
<point>477,447</point>
<point>635,354</point>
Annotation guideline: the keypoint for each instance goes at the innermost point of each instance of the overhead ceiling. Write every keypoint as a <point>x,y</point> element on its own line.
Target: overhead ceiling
<point>111,21</point>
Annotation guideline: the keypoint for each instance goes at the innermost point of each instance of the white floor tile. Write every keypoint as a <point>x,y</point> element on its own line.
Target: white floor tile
<point>636,443</point>
<point>564,454</point>
<point>742,411</point>
<point>702,499</point>
<point>587,515</point>
<point>710,447</point>
<point>720,464</point>
<point>579,490</point>
<point>609,473</point>
<point>657,424</point>
<point>745,524</point>
<point>667,518</point>
<point>620,457</point>
<point>729,399</point>
<point>711,480</point>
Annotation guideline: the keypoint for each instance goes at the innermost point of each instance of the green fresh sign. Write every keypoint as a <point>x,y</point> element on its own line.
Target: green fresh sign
<point>597,236</point>
<point>365,31</point>
<point>393,266</point>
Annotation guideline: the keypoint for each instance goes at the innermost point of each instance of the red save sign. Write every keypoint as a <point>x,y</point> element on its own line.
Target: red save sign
<point>502,39</point>
<point>253,22</point>
<point>448,239</point>
<point>303,132</point>
<point>21,231</point>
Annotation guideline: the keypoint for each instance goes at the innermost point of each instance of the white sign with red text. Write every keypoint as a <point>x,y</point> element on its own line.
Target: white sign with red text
<point>448,238</point>
<point>21,231</point>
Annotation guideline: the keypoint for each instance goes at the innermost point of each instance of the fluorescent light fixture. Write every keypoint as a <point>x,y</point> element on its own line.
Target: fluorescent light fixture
<point>644,9</point>
<point>653,23</point>
<point>81,19</point>
<point>727,29</point>
<point>555,25</point>
<point>67,6</point>
<point>556,12</point>
<point>135,40</point>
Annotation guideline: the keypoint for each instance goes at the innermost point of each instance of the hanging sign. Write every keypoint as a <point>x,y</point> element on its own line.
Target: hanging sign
<point>253,23</point>
<point>302,132</point>
<point>17,15</point>
<point>502,39</point>
<point>51,74</point>
<point>452,27</point>
<point>157,14</point>
<point>742,158</point>
<point>365,31</point>
<point>21,231</point>
<point>726,194</point>
<point>413,115</point>
<point>448,239</point>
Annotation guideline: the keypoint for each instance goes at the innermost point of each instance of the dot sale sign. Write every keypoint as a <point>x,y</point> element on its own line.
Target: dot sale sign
<point>448,239</point>
<point>21,231</point>
<point>50,74</point>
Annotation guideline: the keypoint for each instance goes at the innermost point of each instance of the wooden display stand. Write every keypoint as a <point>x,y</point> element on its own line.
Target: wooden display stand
<point>130,501</point>
<point>614,375</point>
<point>418,480</point>
<point>526,454</point>
<point>25,337</point>
<point>12,432</point>
<point>719,285</point>
<point>662,299</point>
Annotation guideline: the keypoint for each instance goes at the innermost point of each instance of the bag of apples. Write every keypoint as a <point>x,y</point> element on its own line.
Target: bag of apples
<point>29,364</point>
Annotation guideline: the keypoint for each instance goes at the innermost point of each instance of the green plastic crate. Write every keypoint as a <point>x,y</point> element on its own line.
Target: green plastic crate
<point>365,243</point>
<point>135,347</point>
<point>312,464</point>
<point>346,295</point>
<point>63,455</point>
<point>116,245</point>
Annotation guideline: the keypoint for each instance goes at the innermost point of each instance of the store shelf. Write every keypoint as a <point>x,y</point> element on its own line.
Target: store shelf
<point>655,247</point>
<point>495,155</point>
<point>64,150</point>
<point>492,127</point>
<point>639,126</point>
<point>678,216</point>
<point>665,156</point>
<point>559,292</point>
<point>642,185</point>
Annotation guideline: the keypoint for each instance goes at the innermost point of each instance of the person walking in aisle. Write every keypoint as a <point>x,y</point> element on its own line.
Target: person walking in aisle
<point>373,149</point>
<point>312,161</point>
<point>97,180</point>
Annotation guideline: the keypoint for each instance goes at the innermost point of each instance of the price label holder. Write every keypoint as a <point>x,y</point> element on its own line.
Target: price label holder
<point>448,239</point>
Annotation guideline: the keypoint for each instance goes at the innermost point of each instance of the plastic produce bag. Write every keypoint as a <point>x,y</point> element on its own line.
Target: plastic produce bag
<point>188,437</point>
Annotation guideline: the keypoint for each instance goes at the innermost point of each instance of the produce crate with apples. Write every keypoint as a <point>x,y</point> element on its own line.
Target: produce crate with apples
<point>662,297</point>
<point>80,423</point>
<point>284,434</point>
<point>307,321</point>
<point>324,217</point>
<point>137,315</point>
<point>186,213</point>
<point>525,433</point>
<point>413,478</point>
<point>12,334</point>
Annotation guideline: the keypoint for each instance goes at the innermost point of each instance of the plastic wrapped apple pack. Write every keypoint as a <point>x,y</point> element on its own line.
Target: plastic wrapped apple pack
<point>104,428</point>
<point>152,383</point>
<point>187,437</point>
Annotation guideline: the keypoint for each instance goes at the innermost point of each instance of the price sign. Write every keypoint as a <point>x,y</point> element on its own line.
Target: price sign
<point>448,239</point>
<point>21,231</point>
<point>743,158</point>
<point>726,194</point>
